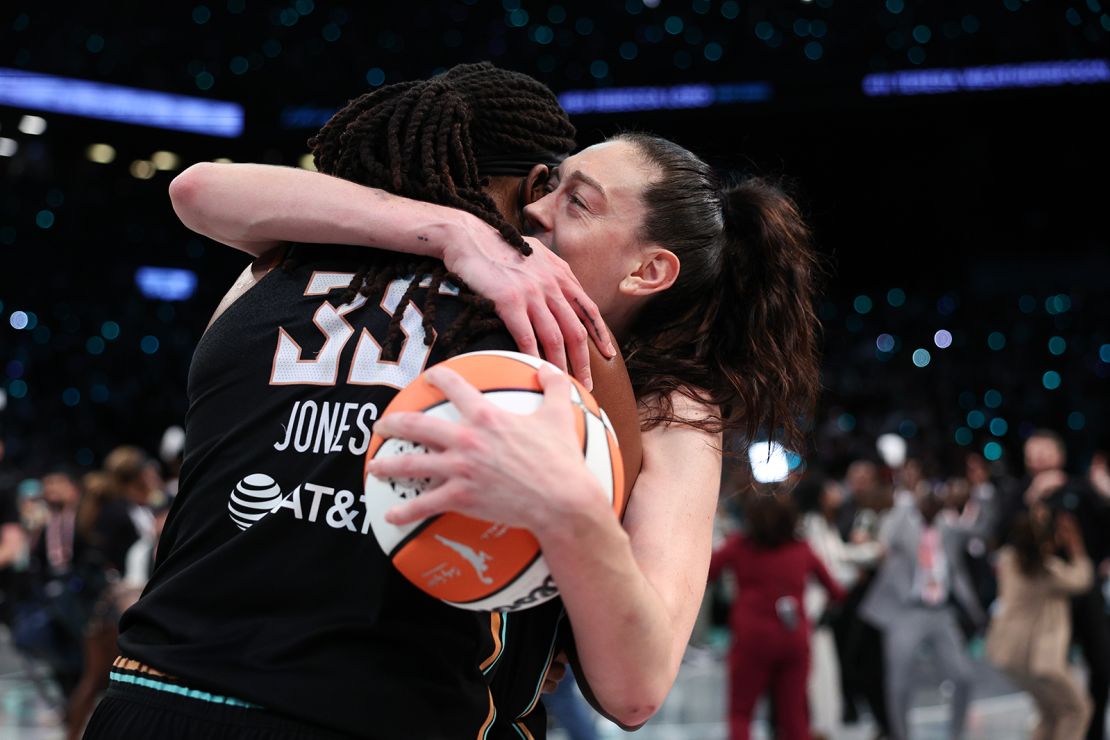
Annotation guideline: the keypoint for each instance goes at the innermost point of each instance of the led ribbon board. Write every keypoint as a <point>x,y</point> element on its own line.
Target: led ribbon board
<point>43,92</point>
<point>997,77</point>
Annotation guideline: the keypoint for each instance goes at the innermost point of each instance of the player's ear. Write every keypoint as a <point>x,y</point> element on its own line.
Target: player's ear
<point>532,189</point>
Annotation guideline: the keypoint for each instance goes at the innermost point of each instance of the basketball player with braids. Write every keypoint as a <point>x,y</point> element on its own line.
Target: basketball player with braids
<point>708,287</point>
<point>272,611</point>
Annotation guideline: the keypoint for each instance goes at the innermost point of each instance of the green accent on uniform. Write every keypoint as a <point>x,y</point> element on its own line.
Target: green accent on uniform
<point>170,688</point>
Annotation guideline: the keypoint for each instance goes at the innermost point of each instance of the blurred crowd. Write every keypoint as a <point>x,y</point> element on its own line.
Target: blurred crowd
<point>833,584</point>
<point>76,549</point>
<point>838,585</point>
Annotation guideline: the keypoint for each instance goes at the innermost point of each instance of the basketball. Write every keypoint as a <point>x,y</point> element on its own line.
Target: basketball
<point>466,562</point>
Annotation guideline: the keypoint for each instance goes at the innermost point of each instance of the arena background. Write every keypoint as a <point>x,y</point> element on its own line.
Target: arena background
<point>952,158</point>
<point>985,209</point>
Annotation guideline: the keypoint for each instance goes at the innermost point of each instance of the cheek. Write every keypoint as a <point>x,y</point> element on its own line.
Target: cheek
<point>596,268</point>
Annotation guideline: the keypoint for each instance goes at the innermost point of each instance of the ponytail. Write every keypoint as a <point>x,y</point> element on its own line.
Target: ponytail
<point>767,322</point>
<point>737,331</point>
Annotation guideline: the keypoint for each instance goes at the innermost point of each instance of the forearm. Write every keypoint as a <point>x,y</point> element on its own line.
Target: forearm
<point>252,207</point>
<point>624,635</point>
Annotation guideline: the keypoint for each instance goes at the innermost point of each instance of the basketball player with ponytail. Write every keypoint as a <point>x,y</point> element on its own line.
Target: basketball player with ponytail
<point>708,287</point>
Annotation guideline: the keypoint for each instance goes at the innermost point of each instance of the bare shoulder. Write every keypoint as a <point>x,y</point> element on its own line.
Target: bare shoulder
<point>666,442</point>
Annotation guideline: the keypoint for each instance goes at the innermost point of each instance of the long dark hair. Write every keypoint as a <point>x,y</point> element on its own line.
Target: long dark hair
<point>738,329</point>
<point>771,519</point>
<point>431,140</point>
<point>1028,537</point>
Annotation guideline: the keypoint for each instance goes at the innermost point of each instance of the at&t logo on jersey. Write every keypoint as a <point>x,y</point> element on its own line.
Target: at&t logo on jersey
<point>258,496</point>
<point>253,498</point>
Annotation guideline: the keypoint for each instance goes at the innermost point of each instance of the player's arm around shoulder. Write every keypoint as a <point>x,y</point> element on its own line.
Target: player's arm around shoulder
<point>633,594</point>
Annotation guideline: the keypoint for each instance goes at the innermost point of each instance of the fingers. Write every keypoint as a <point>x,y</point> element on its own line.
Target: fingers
<point>430,503</point>
<point>556,390</point>
<point>516,321</point>
<point>417,427</point>
<point>549,334</point>
<point>576,338</point>
<point>466,398</point>
<point>590,316</point>
<point>430,466</point>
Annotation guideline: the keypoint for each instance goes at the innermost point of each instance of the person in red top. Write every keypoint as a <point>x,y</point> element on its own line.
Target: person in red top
<point>770,632</point>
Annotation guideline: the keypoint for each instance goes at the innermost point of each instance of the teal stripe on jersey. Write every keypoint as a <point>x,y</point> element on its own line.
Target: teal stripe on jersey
<point>170,688</point>
<point>504,622</point>
<point>547,665</point>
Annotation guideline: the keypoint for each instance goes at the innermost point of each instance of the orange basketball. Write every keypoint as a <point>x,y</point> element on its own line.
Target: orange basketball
<point>466,562</point>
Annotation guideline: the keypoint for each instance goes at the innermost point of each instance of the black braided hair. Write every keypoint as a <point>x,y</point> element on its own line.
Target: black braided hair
<point>423,140</point>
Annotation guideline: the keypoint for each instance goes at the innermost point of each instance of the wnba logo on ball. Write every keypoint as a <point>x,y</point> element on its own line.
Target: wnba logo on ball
<point>253,498</point>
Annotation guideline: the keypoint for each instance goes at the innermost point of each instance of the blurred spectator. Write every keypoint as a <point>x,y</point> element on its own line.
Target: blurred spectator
<point>125,517</point>
<point>819,501</point>
<point>12,541</point>
<point>59,588</point>
<point>912,601</point>
<point>770,630</point>
<point>867,497</point>
<point>1099,474</point>
<point>859,644</point>
<point>1046,481</point>
<point>32,509</point>
<point>1030,633</point>
<point>118,516</point>
<point>982,500</point>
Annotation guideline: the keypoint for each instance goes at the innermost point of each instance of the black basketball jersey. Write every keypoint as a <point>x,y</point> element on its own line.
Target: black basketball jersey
<point>269,585</point>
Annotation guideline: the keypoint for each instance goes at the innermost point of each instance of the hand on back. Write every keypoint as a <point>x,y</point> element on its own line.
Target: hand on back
<point>540,300</point>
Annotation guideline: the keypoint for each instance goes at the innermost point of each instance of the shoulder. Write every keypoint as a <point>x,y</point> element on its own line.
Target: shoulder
<point>683,430</point>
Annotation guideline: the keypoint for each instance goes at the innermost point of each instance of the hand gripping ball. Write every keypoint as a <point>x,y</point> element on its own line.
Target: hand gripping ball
<point>466,562</point>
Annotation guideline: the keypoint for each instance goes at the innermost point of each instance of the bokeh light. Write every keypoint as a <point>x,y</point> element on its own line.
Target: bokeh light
<point>1051,380</point>
<point>992,451</point>
<point>976,419</point>
<point>943,339</point>
<point>992,399</point>
<point>896,297</point>
<point>996,340</point>
<point>884,343</point>
<point>999,427</point>
<point>862,304</point>
<point>921,357</point>
<point>1076,421</point>
<point>1057,345</point>
<point>964,436</point>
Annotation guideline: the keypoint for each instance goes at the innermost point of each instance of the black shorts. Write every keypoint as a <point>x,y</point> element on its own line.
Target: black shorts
<point>136,713</point>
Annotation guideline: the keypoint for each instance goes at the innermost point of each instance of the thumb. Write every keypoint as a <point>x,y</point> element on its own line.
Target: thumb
<point>556,387</point>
